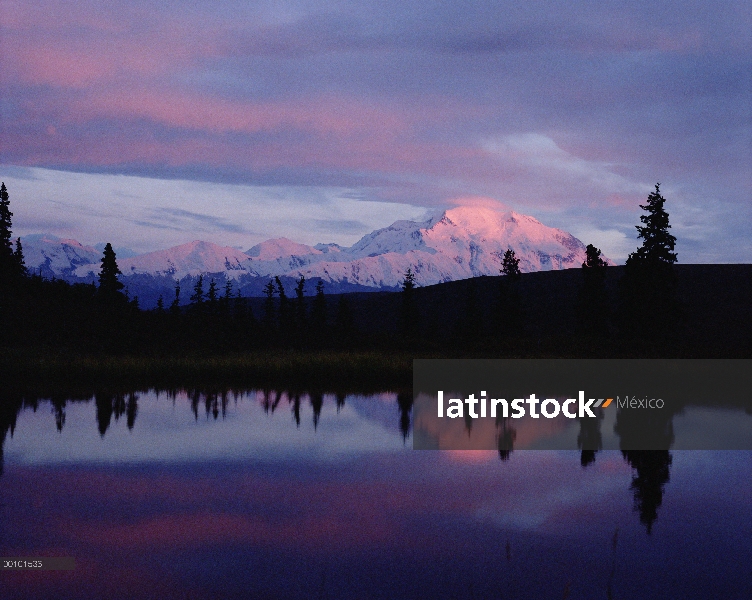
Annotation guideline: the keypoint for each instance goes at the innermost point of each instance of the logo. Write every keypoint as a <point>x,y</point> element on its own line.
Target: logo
<point>550,408</point>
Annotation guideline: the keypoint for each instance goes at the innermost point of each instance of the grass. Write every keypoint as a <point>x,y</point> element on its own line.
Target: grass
<point>331,370</point>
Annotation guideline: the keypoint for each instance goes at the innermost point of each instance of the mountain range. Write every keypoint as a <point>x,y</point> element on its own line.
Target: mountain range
<point>459,243</point>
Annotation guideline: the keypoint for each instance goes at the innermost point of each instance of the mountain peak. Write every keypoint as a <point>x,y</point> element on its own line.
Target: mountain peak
<point>278,247</point>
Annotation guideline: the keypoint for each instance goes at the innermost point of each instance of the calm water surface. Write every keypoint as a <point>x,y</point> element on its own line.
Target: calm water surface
<point>270,495</point>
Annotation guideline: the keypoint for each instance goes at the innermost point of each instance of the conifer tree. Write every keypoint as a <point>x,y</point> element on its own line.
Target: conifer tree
<point>408,320</point>
<point>592,300</point>
<point>300,312</point>
<point>650,307</point>
<point>509,306</point>
<point>18,260</point>
<point>7,262</point>
<point>284,308</point>
<point>212,293</point>
<point>510,265</point>
<point>160,304</point>
<point>175,306</point>
<point>109,284</point>
<point>658,244</point>
<point>269,304</point>
<point>197,298</point>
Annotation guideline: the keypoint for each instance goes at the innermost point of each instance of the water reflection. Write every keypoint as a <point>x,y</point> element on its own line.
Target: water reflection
<point>280,493</point>
<point>651,469</point>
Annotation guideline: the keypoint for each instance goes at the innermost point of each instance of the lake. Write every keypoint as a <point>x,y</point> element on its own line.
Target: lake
<point>267,494</point>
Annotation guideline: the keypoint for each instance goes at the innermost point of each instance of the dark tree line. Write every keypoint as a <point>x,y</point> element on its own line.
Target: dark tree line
<point>99,318</point>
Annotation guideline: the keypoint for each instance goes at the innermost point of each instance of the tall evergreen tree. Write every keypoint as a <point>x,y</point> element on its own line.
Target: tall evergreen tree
<point>657,243</point>
<point>212,293</point>
<point>7,262</point>
<point>175,306</point>
<point>18,260</point>
<point>109,284</point>
<point>650,307</point>
<point>300,311</point>
<point>197,298</point>
<point>269,304</point>
<point>408,320</point>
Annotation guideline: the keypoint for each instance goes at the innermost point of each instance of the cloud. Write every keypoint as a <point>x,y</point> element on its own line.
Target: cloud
<point>555,108</point>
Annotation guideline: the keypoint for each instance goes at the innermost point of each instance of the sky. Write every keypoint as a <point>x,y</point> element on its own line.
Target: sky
<point>150,124</point>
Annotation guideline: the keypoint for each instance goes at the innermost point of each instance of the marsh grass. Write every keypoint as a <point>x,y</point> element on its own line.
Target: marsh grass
<point>330,370</point>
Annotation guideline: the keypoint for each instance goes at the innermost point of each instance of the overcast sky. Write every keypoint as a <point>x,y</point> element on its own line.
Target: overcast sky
<point>152,123</point>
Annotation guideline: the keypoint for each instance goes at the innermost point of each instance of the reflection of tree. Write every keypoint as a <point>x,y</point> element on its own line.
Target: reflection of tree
<point>589,440</point>
<point>340,401</point>
<point>507,435</point>
<point>317,401</point>
<point>405,404</point>
<point>652,473</point>
<point>104,412</point>
<point>131,410</point>
<point>58,408</point>
<point>296,409</point>
<point>9,409</point>
<point>645,436</point>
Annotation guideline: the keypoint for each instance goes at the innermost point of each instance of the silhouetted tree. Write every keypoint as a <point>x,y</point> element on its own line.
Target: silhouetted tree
<point>175,306</point>
<point>269,304</point>
<point>19,265</point>
<point>510,264</point>
<point>649,302</point>
<point>197,298</point>
<point>300,311</point>
<point>284,308</point>
<point>109,285</point>
<point>212,293</point>
<point>408,318</point>
<point>592,300</point>
<point>509,306</point>
<point>7,262</point>
<point>160,304</point>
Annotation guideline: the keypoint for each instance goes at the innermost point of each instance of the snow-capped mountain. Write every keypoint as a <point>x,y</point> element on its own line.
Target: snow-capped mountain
<point>187,259</point>
<point>51,256</point>
<point>457,244</point>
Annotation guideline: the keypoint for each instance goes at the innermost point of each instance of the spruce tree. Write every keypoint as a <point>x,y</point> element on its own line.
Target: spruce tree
<point>650,308</point>
<point>109,284</point>
<point>7,262</point>
<point>318,311</point>
<point>510,265</point>
<point>658,244</point>
<point>592,300</point>
<point>269,304</point>
<point>197,298</point>
<point>175,306</point>
<point>408,321</point>
<point>300,311</point>
<point>509,307</point>
<point>212,293</point>
<point>18,260</point>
